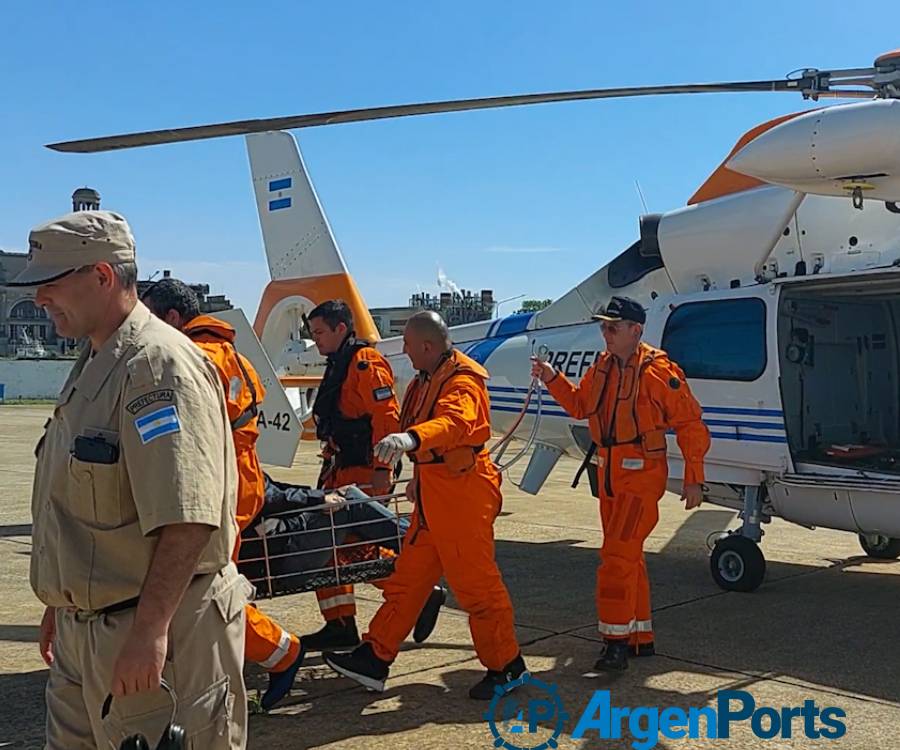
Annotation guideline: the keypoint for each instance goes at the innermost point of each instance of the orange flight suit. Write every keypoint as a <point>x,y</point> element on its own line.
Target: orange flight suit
<point>368,390</point>
<point>457,492</point>
<point>267,643</point>
<point>628,423</point>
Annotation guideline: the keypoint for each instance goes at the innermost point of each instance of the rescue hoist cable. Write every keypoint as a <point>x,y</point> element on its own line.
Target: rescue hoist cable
<point>535,390</point>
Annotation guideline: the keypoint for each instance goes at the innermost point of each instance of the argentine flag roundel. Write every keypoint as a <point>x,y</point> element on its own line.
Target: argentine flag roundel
<point>160,422</point>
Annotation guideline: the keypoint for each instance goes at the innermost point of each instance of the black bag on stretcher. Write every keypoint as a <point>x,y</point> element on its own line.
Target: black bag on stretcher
<point>300,542</point>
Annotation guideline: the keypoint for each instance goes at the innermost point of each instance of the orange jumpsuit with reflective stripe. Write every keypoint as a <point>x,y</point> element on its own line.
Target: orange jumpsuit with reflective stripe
<point>630,408</point>
<point>368,390</point>
<point>267,643</point>
<point>457,492</point>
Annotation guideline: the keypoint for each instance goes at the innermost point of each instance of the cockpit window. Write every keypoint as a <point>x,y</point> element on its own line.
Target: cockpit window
<point>630,266</point>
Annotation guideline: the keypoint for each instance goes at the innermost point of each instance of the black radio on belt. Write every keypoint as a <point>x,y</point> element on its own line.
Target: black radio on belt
<point>95,450</point>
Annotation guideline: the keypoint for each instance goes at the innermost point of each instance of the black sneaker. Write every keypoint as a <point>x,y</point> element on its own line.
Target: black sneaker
<point>615,657</point>
<point>644,649</point>
<point>280,683</point>
<point>361,665</point>
<point>429,614</point>
<point>337,635</point>
<point>487,688</point>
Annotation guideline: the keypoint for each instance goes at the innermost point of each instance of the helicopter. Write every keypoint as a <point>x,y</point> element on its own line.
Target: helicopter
<point>775,289</point>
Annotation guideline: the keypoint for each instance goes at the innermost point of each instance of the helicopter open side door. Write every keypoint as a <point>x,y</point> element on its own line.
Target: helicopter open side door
<point>839,350</point>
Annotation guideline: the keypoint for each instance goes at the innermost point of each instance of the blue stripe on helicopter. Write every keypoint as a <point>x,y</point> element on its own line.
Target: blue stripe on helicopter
<point>513,403</point>
<point>751,438</point>
<point>755,425</point>
<point>742,410</point>
<point>532,410</point>
<point>709,409</point>
<point>513,324</point>
<point>501,404</point>
<point>499,331</point>
<point>737,437</point>
<point>723,410</point>
<point>484,349</point>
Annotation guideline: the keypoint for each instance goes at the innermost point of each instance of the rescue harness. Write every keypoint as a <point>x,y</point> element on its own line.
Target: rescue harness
<point>631,422</point>
<point>420,408</point>
<point>466,454</point>
<point>351,437</point>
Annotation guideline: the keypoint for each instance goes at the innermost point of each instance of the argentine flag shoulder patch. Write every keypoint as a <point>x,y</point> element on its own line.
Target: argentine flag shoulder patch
<point>160,422</point>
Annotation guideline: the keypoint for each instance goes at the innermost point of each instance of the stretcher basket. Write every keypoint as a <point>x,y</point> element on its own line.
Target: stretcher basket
<point>331,554</point>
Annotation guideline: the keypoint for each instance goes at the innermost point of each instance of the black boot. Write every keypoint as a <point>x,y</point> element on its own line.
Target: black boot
<point>280,682</point>
<point>615,657</point>
<point>644,649</point>
<point>361,665</point>
<point>428,616</point>
<point>337,635</point>
<point>492,681</point>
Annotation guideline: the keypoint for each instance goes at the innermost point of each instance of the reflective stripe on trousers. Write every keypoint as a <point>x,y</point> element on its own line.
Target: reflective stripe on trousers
<point>621,631</point>
<point>281,650</point>
<point>337,601</point>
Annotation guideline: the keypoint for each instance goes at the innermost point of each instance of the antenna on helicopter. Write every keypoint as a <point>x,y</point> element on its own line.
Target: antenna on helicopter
<point>640,193</point>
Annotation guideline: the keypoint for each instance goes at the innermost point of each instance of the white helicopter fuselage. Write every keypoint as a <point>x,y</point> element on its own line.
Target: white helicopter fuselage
<point>752,411</point>
<point>778,305</point>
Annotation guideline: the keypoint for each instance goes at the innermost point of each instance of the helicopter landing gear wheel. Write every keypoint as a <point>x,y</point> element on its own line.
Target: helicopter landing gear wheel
<point>880,547</point>
<point>737,564</point>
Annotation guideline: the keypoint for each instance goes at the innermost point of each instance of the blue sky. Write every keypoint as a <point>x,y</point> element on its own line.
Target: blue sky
<point>523,201</point>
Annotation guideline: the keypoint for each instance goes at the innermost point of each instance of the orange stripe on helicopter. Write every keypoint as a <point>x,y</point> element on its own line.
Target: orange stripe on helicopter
<point>725,181</point>
<point>300,381</point>
<point>318,289</point>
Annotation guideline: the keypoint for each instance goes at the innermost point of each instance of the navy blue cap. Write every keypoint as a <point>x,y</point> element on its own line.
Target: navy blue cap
<point>622,308</point>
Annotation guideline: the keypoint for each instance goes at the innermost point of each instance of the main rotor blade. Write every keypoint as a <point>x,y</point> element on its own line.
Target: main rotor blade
<point>242,127</point>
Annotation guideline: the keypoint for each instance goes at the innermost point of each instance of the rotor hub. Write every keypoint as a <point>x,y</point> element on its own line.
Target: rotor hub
<point>888,62</point>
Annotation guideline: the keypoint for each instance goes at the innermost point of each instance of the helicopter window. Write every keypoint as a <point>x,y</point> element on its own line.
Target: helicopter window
<point>631,265</point>
<point>718,340</point>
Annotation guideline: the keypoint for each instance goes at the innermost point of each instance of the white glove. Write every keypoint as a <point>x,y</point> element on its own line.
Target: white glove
<point>390,448</point>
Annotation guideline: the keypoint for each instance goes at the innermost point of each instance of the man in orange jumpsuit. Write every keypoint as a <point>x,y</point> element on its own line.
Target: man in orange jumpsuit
<point>632,395</point>
<point>267,643</point>
<point>354,409</point>
<point>456,490</point>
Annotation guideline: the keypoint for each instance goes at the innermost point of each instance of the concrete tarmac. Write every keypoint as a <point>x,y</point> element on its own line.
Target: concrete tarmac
<point>819,629</point>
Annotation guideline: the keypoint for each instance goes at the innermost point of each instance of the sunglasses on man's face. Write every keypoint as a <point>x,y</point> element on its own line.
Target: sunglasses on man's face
<point>614,328</point>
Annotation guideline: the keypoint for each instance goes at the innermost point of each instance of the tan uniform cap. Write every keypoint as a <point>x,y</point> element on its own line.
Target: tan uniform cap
<point>77,239</point>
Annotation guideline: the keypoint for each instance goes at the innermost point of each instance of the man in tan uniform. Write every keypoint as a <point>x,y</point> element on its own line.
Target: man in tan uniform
<point>133,510</point>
